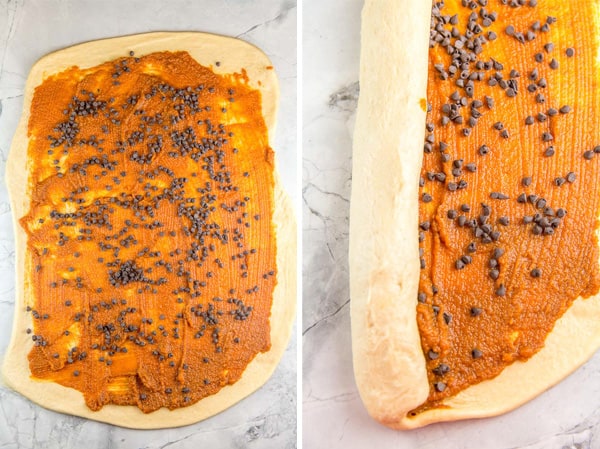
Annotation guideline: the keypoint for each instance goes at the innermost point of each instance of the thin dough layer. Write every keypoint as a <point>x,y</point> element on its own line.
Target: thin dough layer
<point>234,55</point>
<point>384,262</point>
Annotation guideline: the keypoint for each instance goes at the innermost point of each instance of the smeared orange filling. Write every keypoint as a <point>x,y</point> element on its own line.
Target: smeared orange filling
<point>151,253</point>
<point>508,199</point>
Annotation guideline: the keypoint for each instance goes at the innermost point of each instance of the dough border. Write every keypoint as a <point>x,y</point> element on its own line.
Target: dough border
<point>233,55</point>
<point>389,364</point>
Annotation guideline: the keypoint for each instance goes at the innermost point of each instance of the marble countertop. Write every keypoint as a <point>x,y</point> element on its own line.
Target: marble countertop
<point>565,417</point>
<point>28,30</point>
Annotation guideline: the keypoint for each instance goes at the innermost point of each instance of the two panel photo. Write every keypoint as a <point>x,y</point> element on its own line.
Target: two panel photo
<point>281,224</point>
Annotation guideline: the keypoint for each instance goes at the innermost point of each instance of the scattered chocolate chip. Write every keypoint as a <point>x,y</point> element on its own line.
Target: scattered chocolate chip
<point>439,386</point>
<point>475,311</point>
<point>441,369</point>
<point>504,221</point>
<point>565,109</point>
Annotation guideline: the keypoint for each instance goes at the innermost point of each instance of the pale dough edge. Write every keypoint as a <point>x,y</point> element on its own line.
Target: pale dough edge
<point>373,267</point>
<point>233,55</point>
<point>388,362</point>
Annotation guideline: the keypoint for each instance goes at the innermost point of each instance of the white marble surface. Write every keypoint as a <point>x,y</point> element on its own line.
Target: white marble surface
<point>28,30</point>
<point>565,417</point>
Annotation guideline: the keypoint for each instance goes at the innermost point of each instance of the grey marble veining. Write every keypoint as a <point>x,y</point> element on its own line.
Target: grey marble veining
<point>565,417</point>
<point>28,30</point>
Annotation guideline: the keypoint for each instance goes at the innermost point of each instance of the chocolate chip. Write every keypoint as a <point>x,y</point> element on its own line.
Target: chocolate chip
<point>439,386</point>
<point>565,109</point>
<point>441,369</point>
<point>447,318</point>
<point>475,311</point>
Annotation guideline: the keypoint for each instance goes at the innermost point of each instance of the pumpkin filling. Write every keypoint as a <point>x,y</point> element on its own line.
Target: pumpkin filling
<point>509,207</point>
<point>151,249</point>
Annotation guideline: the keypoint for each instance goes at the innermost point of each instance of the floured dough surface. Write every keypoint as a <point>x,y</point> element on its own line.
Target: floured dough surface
<point>233,56</point>
<point>384,261</point>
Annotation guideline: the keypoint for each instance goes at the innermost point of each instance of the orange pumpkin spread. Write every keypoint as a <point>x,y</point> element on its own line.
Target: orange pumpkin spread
<point>150,244</point>
<point>508,198</point>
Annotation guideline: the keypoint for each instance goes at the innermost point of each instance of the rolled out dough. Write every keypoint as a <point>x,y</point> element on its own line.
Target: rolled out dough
<point>233,55</point>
